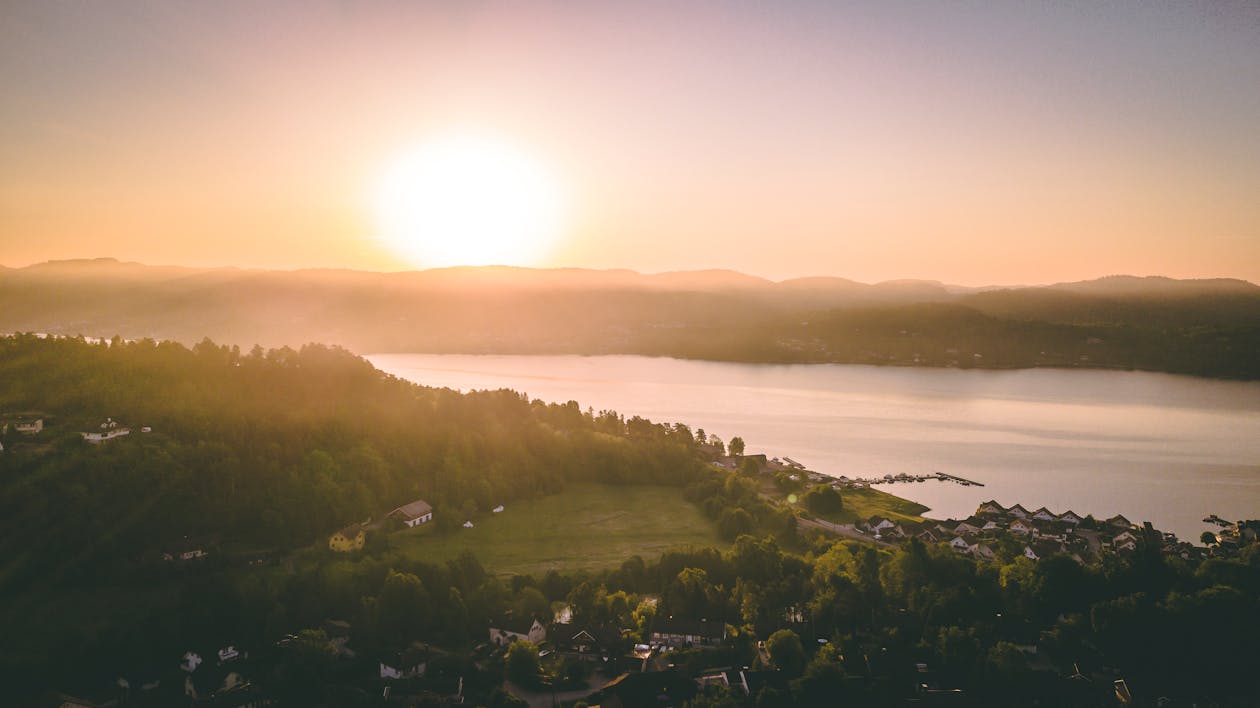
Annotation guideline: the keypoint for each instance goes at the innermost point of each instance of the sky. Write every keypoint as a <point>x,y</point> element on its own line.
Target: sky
<point>968,142</point>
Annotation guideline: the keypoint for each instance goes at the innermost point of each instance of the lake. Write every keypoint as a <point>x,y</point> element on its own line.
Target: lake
<point>1154,447</point>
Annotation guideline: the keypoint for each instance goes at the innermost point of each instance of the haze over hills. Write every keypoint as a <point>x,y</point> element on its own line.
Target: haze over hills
<point>1206,327</point>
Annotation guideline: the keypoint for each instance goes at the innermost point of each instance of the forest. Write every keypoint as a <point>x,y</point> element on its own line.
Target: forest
<point>1199,327</point>
<point>257,456</point>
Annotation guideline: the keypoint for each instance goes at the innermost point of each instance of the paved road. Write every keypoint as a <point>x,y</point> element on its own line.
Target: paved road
<point>543,699</point>
<point>846,530</point>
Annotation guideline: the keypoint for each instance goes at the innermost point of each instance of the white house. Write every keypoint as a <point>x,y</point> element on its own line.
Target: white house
<point>880,524</point>
<point>510,629</point>
<point>29,427</point>
<point>1019,512</point>
<point>1070,517</point>
<point>983,552</point>
<point>1123,536</point>
<point>468,524</point>
<point>1044,514</point>
<point>1119,522</point>
<point>991,507</point>
<point>1021,526</point>
<point>960,544</point>
<point>110,432</point>
<point>967,528</point>
<point>413,514</point>
<point>497,510</point>
<point>403,670</point>
<point>680,632</point>
<point>409,663</point>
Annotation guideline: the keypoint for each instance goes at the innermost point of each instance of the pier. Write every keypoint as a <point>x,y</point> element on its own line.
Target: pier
<point>954,478</point>
<point>893,479</point>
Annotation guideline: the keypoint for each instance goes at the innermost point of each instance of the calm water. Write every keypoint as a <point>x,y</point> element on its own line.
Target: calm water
<point>1157,447</point>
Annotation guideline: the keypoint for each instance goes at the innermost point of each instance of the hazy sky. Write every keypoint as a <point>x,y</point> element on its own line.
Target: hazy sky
<point>971,142</point>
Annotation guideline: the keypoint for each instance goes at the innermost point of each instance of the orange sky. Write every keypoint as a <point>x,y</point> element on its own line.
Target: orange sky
<point>873,141</point>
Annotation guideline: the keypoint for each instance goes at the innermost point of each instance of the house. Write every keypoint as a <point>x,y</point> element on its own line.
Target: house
<point>1070,517</point>
<point>468,524</point>
<point>991,525</point>
<point>983,552</point>
<point>1119,522</point>
<point>677,633</point>
<point>591,640</point>
<point>1038,550</point>
<point>1018,512</point>
<point>349,539</point>
<point>408,663</point>
<point>928,537</point>
<point>1124,536</point>
<point>991,507</point>
<point>966,528</point>
<point>497,510</point>
<point>1021,526</point>
<point>1124,542</point>
<point>879,524</point>
<point>109,433</point>
<point>1050,529</point>
<point>413,514</point>
<point>961,544</point>
<point>510,629</point>
<point>1044,514</point>
<point>29,427</point>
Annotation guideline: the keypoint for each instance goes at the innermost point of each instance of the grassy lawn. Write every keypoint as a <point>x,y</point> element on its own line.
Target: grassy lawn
<point>865,503</point>
<point>587,526</point>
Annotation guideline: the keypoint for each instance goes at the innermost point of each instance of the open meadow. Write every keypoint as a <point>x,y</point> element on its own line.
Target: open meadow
<point>585,527</point>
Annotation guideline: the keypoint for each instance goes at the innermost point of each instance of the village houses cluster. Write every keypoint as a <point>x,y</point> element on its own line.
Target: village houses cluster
<point>1042,533</point>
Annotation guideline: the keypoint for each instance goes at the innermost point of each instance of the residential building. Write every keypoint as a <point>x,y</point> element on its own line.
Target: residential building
<point>413,514</point>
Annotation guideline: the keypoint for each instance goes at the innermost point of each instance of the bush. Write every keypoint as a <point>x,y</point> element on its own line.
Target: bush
<point>823,499</point>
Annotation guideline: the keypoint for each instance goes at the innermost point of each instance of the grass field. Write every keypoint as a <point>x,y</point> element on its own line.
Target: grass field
<point>865,503</point>
<point>587,526</point>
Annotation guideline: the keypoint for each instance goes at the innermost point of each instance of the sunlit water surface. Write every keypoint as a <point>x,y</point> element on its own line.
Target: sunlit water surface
<point>1168,449</point>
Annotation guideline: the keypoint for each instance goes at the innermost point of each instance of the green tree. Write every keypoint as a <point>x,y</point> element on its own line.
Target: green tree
<point>736,446</point>
<point>786,652</point>
<point>823,499</point>
<point>521,663</point>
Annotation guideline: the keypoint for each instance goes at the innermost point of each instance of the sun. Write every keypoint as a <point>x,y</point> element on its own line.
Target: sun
<point>467,201</point>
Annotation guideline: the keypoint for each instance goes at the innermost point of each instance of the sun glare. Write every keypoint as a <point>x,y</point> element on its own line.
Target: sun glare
<point>467,201</point>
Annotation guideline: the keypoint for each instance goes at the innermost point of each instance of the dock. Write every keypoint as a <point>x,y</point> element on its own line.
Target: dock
<point>893,479</point>
<point>954,478</point>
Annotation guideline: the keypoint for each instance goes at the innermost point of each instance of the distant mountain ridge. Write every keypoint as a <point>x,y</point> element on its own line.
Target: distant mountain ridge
<point>1208,327</point>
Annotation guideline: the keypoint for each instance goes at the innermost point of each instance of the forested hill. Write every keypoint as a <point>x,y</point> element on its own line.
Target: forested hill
<point>269,450</point>
<point>1202,327</point>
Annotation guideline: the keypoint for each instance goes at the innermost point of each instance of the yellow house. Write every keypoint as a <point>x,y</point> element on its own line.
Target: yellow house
<point>348,539</point>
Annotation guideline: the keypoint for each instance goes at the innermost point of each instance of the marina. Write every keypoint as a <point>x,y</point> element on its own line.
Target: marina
<point>896,478</point>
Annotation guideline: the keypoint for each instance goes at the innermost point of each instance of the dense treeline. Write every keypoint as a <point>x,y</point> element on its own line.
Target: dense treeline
<point>1202,327</point>
<point>260,452</point>
<point>268,450</point>
<point>277,447</point>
